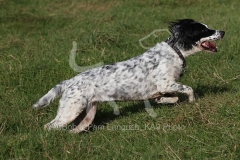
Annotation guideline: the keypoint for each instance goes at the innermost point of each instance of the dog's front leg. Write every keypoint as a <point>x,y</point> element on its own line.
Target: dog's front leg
<point>176,87</point>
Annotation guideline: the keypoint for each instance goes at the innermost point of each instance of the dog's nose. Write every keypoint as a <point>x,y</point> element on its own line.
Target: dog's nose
<point>222,33</point>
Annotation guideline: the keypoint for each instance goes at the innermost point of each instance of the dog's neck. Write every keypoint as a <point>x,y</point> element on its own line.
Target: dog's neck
<point>176,49</point>
<point>174,43</point>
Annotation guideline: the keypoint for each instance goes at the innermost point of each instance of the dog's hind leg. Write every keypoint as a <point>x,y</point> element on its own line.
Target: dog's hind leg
<point>69,109</point>
<point>85,119</point>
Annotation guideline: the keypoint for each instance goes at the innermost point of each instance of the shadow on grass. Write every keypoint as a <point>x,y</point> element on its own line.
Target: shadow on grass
<point>202,90</point>
<point>103,117</point>
<point>106,116</point>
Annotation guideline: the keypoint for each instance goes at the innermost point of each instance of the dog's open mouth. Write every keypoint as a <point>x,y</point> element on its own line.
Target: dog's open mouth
<point>208,46</point>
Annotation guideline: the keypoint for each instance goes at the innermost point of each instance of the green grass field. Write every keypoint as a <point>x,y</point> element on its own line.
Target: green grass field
<point>35,42</point>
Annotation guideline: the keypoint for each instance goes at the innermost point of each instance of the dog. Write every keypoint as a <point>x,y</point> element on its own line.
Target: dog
<point>153,74</point>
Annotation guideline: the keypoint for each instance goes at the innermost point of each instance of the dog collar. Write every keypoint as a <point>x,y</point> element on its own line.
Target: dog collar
<point>178,52</point>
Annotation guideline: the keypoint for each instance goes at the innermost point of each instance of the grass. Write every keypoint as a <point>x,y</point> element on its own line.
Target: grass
<point>35,42</point>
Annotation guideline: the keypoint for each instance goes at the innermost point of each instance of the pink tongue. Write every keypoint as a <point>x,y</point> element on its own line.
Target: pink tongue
<point>210,45</point>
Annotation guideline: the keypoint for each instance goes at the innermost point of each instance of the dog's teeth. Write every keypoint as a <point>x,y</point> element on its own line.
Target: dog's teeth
<point>205,45</point>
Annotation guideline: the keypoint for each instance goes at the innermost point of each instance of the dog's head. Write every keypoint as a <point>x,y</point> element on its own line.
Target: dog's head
<point>190,36</point>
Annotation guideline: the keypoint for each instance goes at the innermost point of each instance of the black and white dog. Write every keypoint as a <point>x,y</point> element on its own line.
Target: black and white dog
<point>150,75</point>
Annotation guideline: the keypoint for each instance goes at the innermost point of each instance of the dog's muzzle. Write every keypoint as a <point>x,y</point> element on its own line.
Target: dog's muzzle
<point>222,33</point>
<point>208,45</point>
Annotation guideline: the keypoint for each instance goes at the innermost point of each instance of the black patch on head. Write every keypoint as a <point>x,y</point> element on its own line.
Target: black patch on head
<point>186,32</point>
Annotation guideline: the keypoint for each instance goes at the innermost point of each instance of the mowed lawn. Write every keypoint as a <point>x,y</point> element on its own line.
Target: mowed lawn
<point>35,42</point>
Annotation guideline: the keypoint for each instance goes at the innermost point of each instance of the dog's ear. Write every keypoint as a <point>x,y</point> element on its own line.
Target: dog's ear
<point>174,28</point>
<point>181,33</point>
<point>177,29</point>
<point>178,26</point>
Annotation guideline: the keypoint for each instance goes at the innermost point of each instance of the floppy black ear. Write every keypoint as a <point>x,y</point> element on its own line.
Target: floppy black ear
<point>177,27</point>
<point>174,28</point>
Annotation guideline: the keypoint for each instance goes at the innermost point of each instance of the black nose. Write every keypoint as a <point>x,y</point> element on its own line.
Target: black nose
<point>222,33</point>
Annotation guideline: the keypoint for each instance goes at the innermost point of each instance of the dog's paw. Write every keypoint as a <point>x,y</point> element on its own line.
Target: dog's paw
<point>48,127</point>
<point>75,131</point>
<point>191,99</point>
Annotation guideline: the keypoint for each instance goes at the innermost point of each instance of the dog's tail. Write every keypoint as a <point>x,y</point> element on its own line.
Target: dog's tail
<point>50,96</point>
